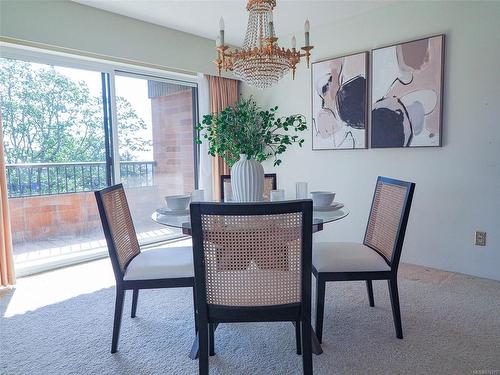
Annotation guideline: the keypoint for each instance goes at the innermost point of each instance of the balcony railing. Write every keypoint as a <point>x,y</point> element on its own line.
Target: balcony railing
<point>35,179</point>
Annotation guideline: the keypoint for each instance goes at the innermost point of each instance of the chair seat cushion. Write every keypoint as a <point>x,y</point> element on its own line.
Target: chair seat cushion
<point>161,263</point>
<point>347,257</point>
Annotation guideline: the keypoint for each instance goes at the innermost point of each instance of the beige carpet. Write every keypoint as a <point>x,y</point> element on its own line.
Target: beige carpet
<point>60,323</point>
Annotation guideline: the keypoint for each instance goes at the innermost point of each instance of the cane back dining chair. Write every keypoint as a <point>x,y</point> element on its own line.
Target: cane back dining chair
<point>270,183</point>
<point>252,264</point>
<point>377,258</point>
<point>134,269</point>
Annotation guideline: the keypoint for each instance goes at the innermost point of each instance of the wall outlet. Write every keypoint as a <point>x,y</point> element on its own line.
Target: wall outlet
<point>480,238</point>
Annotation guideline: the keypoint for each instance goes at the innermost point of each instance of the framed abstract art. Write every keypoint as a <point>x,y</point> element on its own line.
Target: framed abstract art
<point>339,102</point>
<point>407,94</point>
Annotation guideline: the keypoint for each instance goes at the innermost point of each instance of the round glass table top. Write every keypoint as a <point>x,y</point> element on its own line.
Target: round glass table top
<point>182,219</point>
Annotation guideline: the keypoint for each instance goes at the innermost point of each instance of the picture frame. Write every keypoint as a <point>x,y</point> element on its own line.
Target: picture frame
<point>406,101</point>
<point>339,102</point>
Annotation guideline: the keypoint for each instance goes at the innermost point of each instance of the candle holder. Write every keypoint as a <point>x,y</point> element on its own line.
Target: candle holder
<point>307,53</point>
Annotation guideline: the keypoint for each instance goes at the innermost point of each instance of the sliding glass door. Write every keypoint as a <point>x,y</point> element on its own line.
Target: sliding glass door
<point>155,122</point>
<point>69,131</point>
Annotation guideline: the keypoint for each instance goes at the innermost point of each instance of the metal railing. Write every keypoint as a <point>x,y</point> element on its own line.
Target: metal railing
<point>35,179</point>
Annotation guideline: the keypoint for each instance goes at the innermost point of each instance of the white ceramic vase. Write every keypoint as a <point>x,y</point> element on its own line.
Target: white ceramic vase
<point>247,180</point>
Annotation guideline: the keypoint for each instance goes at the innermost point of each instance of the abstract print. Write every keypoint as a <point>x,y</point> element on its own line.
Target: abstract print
<point>339,99</point>
<point>406,94</point>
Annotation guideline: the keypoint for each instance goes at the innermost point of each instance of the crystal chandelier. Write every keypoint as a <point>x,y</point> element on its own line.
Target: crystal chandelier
<point>261,62</point>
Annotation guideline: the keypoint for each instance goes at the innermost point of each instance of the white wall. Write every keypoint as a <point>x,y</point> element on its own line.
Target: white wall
<point>458,185</point>
<point>70,25</point>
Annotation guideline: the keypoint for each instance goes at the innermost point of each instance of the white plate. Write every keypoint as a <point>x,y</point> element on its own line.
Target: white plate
<point>170,212</point>
<point>333,207</point>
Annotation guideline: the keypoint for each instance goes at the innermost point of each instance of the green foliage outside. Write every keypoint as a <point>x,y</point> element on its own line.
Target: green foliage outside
<point>246,129</point>
<point>48,117</point>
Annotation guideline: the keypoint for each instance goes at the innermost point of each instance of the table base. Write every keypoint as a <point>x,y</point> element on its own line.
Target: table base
<point>316,346</point>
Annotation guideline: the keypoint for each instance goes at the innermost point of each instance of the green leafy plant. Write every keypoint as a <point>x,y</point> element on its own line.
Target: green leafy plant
<point>50,117</point>
<point>246,129</point>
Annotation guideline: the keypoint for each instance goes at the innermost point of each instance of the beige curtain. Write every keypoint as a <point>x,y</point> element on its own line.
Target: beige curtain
<point>6,262</point>
<point>223,92</point>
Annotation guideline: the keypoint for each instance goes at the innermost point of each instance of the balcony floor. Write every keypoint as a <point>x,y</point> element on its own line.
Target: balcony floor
<point>51,252</point>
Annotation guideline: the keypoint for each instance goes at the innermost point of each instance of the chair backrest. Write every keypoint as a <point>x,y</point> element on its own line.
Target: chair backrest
<point>118,227</point>
<point>389,213</point>
<point>255,254</point>
<point>270,183</point>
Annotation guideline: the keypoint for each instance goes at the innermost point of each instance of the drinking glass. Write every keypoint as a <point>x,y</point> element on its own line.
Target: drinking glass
<point>277,195</point>
<point>198,195</point>
<point>301,190</point>
<point>228,193</point>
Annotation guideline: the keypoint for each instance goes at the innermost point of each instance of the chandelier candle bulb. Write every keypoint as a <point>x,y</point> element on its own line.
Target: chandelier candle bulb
<point>221,28</point>
<point>271,25</point>
<point>306,32</point>
<point>294,42</point>
<point>271,29</point>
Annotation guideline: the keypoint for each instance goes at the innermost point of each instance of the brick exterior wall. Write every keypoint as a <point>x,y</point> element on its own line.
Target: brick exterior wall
<point>74,214</point>
<point>48,216</point>
<point>172,117</point>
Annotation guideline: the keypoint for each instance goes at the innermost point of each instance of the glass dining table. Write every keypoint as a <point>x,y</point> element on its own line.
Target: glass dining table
<point>182,220</point>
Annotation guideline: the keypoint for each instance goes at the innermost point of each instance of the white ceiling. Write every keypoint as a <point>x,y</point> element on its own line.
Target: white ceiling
<point>202,17</point>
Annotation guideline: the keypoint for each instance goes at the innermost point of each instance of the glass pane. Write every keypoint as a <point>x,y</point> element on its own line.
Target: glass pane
<point>54,147</point>
<point>156,147</point>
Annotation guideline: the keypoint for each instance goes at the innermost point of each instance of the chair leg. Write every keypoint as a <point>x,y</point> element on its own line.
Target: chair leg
<point>369,288</point>
<point>203,345</point>
<point>120,295</point>
<point>195,312</point>
<point>320,306</point>
<point>396,313</point>
<point>211,335</point>
<point>135,296</point>
<point>307,346</point>
<point>297,337</point>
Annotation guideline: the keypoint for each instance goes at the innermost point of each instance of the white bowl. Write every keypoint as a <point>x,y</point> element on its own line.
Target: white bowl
<point>177,202</point>
<point>322,198</point>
